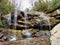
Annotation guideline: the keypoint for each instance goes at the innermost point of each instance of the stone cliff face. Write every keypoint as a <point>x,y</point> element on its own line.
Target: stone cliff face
<point>34,22</point>
<point>55,17</point>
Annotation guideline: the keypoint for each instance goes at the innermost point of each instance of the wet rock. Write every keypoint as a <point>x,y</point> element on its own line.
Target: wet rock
<point>3,35</point>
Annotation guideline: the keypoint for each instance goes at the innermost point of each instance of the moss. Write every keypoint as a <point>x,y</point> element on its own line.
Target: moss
<point>1,25</point>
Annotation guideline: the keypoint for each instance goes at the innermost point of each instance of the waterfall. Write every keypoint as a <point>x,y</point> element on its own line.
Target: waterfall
<point>27,33</point>
<point>49,25</point>
<point>9,19</point>
<point>26,26</point>
<point>15,19</point>
<point>15,14</point>
<point>14,37</point>
<point>26,19</point>
<point>46,18</point>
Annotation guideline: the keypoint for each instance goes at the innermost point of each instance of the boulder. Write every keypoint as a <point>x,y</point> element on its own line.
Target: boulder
<point>55,35</point>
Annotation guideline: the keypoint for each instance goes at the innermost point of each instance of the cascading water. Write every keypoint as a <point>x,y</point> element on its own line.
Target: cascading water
<point>9,23</point>
<point>15,19</point>
<point>26,19</point>
<point>27,33</point>
<point>46,18</point>
<point>9,20</point>
<point>14,37</point>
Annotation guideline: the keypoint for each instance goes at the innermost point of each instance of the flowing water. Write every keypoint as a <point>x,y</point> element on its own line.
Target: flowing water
<point>14,37</point>
<point>9,19</point>
<point>44,18</point>
<point>15,19</point>
<point>27,33</point>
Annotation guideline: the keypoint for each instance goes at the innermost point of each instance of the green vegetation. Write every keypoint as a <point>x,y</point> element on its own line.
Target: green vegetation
<point>40,6</point>
<point>5,7</point>
<point>53,5</point>
<point>1,25</point>
<point>47,6</point>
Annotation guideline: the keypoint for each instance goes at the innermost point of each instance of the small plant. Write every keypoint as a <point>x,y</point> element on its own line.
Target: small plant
<point>47,7</point>
<point>40,6</point>
<point>5,8</point>
<point>1,25</point>
<point>54,4</point>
